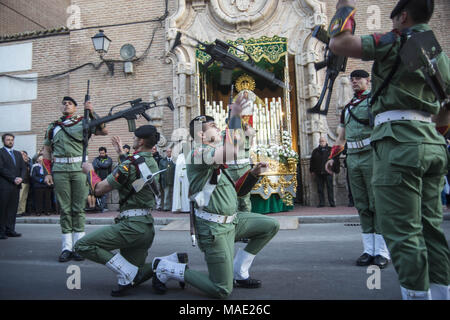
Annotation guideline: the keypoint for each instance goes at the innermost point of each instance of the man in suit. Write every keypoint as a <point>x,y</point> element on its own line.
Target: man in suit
<point>12,173</point>
<point>167,178</point>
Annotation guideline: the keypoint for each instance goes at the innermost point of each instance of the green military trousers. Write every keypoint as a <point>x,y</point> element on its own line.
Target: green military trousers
<point>219,250</point>
<point>236,171</point>
<point>71,192</point>
<point>133,236</point>
<point>359,166</point>
<point>407,181</point>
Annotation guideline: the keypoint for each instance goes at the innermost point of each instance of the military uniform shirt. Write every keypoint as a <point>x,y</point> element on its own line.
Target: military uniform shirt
<point>122,178</point>
<point>355,131</point>
<point>64,146</point>
<point>406,91</point>
<point>224,198</point>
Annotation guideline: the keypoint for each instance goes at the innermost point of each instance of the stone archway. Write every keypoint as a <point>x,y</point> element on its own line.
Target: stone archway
<point>232,19</point>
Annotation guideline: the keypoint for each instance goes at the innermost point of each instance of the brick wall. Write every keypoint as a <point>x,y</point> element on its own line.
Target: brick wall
<point>151,74</point>
<point>41,14</point>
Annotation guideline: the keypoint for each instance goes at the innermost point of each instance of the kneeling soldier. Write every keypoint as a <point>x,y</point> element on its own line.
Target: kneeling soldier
<point>133,231</point>
<point>217,223</point>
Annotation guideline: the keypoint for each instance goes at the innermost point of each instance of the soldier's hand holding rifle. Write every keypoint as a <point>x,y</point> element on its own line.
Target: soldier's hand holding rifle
<point>259,168</point>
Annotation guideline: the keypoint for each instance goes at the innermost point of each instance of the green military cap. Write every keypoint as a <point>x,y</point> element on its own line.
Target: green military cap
<point>202,119</point>
<point>401,5</point>
<point>69,99</point>
<point>359,74</point>
<point>147,131</point>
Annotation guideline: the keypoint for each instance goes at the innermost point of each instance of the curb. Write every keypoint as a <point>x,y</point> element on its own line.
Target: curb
<point>166,220</point>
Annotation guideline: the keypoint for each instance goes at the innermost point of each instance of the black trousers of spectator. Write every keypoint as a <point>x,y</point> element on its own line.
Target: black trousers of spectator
<point>321,180</point>
<point>9,203</point>
<point>43,200</point>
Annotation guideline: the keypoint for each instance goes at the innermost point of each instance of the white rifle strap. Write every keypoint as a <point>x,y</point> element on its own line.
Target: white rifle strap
<point>146,174</point>
<point>58,127</point>
<point>202,198</point>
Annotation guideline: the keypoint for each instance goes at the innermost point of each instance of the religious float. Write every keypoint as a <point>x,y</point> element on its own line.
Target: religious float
<point>268,111</point>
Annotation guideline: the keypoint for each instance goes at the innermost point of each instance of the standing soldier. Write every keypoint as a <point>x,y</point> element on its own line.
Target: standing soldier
<point>410,157</point>
<point>217,223</point>
<point>64,145</point>
<point>355,129</point>
<point>133,231</point>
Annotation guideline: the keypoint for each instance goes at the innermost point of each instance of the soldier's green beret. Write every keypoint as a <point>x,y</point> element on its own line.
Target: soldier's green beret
<point>69,99</point>
<point>359,74</point>
<point>147,131</point>
<point>401,5</point>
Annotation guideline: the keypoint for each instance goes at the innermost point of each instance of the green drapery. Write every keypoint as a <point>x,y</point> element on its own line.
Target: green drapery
<point>272,49</point>
<point>272,205</point>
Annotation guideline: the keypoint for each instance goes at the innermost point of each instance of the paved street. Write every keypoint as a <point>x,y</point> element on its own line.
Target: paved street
<point>316,261</point>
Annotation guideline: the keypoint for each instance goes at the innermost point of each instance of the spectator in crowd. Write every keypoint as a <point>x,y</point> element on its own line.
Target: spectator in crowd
<point>124,152</point>
<point>91,203</point>
<point>180,200</point>
<point>156,155</point>
<point>36,156</point>
<point>12,173</point>
<point>24,191</point>
<point>41,191</point>
<point>319,157</point>
<point>103,167</point>
<point>167,179</point>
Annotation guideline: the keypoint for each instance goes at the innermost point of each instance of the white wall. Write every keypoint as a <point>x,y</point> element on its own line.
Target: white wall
<point>16,95</point>
<point>26,142</point>
<point>15,117</point>
<point>17,90</point>
<point>17,57</point>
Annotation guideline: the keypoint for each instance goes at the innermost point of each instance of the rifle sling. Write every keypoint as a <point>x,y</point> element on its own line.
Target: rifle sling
<point>70,136</point>
<point>394,69</point>
<point>132,191</point>
<point>365,122</point>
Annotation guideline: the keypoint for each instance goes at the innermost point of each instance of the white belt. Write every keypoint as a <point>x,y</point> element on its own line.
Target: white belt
<point>396,115</point>
<point>358,144</point>
<point>68,160</point>
<point>240,161</point>
<point>134,213</point>
<point>217,218</point>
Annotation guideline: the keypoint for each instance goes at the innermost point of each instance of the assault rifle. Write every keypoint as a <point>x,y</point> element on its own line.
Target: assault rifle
<point>218,51</point>
<point>138,107</point>
<point>334,65</point>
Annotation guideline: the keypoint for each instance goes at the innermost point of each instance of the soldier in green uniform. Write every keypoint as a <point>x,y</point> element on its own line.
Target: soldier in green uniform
<point>217,223</point>
<point>410,157</point>
<point>133,231</point>
<point>63,149</point>
<point>355,129</point>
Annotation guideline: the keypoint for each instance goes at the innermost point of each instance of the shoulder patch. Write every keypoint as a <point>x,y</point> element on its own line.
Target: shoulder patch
<point>384,39</point>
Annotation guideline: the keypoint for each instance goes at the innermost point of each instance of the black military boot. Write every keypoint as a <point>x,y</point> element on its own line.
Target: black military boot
<point>65,256</point>
<point>364,260</point>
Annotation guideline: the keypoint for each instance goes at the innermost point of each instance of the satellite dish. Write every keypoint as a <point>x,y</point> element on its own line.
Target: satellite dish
<point>127,52</point>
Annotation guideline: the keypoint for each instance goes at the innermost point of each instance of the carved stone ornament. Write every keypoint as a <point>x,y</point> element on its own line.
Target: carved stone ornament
<point>242,5</point>
<point>162,140</point>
